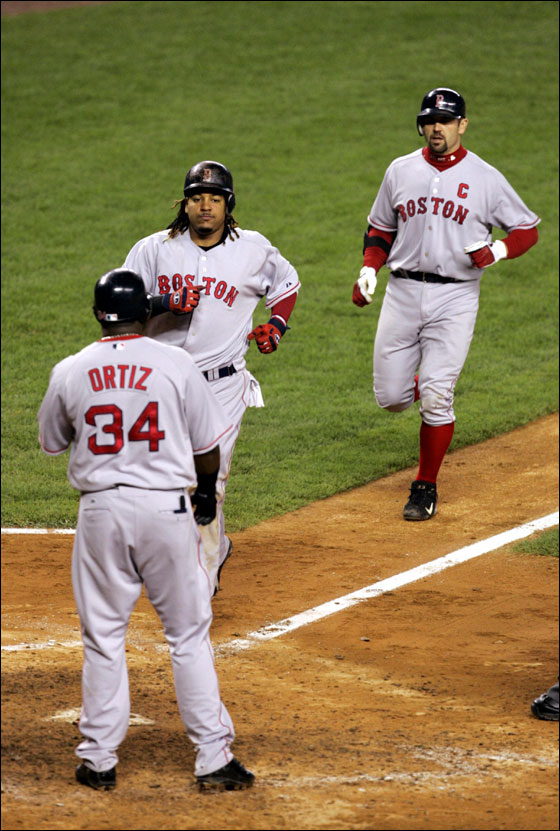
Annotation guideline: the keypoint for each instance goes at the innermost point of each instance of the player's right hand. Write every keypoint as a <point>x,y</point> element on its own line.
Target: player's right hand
<point>364,287</point>
<point>182,301</point>
<point>204,505</point>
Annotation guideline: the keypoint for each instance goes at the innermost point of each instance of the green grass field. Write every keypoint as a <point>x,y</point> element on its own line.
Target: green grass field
<point>104,108</point>
<point>544,544</point>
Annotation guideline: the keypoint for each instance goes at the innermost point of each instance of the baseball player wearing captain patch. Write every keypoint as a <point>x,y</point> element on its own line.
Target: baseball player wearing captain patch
<point>206,276</point>
<point>431,224</point>
<point>143,426</point>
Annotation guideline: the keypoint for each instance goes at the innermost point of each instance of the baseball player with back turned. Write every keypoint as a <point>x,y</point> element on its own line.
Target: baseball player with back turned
<point>431,223</point>
<point>206,276</point>
<point>143,427</point>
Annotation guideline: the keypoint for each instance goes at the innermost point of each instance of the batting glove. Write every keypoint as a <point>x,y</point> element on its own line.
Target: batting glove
<point>364,287</point>
<point>484,254</point>
<point>182,301</point>
<point>204,498</point>
<point>267,335</point>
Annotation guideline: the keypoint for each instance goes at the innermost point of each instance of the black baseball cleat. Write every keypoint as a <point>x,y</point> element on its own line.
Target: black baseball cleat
<point>228,555</point>
<point>232,777</point>
<point>545,706</point>
<point>422,503</point>
<point>100,780</point>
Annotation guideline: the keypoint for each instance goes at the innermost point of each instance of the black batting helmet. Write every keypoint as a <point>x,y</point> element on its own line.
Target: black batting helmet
<point>441,101</point>
<point>211,177</point>
<point>120,297</point>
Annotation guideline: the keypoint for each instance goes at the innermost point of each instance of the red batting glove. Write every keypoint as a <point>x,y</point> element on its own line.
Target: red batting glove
<point>267,335</point>
<point>482,258</point>
<point>357,297</point>
<point>484,254</point>
<point>182,301</point>
<point>364,286</point>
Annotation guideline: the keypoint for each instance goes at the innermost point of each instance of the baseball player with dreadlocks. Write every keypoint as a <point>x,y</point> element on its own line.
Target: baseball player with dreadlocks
<point>431,223</point>
<point>206,276</point>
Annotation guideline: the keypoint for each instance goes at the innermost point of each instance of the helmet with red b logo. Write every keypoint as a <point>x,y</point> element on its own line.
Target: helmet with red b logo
<point>442,101</point>
<point>212,177</point>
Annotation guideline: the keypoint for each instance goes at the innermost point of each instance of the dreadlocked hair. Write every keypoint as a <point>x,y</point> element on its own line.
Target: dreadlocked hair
<point>181,222</point>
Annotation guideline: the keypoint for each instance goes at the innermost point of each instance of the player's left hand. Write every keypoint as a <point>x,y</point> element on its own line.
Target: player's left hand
<point>204,504</point>
<point>484,254</point>
<point>267,335</point>
<point>182,301</point>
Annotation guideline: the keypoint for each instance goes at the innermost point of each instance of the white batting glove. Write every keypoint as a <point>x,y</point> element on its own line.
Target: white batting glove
<point>484,254</point>
<point>367,282</point>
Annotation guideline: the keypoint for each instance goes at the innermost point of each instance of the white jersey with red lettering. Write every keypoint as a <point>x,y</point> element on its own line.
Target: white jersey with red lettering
<point>134,411</point>
<point>234,276</point>
<point>438,213</point>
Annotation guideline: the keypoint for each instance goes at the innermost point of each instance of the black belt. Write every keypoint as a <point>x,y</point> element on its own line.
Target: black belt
<point>222,372</point>
<point>423,276</point>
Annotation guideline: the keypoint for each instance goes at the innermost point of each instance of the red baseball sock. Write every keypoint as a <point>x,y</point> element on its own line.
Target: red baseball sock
<point>434,442</point>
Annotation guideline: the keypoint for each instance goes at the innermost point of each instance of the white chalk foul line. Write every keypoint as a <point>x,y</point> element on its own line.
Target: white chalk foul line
<point>38,530</point>
<point>275,630</point>
<point>24,647</point>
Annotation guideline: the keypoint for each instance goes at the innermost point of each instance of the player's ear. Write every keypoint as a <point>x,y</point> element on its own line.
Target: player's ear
<point>463,125</point>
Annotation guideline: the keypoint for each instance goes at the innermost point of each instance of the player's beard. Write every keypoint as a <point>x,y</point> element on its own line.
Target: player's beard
<point>442,148</point>
<point>203,231</point>
<point>206,230</point>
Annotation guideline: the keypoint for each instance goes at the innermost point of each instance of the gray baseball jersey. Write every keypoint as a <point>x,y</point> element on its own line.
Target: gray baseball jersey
<point>438,213</point>
<point>134,411</point>
<point>234,276</point>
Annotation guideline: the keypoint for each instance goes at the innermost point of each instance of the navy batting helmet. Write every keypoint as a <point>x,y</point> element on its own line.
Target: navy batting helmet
<point>120,297</point>
<point>440,102</point>
<point>211,177</point>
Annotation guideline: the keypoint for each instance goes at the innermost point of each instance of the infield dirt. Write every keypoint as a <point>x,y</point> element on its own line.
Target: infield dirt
<point>407,711</point>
